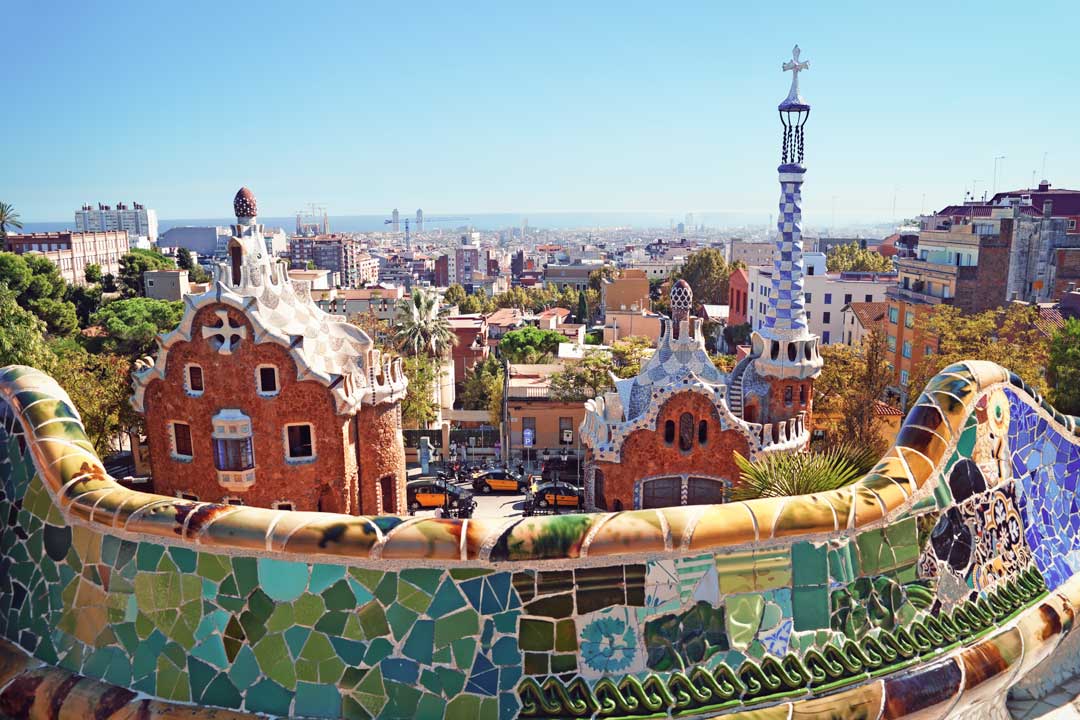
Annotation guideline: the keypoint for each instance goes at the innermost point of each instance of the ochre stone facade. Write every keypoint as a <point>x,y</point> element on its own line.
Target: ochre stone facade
<point>380,460</point>
<point>647,454</point>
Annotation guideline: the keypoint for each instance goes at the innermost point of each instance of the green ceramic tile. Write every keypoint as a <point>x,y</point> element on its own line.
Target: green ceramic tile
<point>464,651</point>
<point>535,634</point>
<point>368,578</point>
<point>772,569</point>
<point>461,624</point>
<point>421,642</point>
<point>424,578</point>
<point>463,707</point>
<point>213,567</point>
<point>323,576</point>
<point>810,606</point>
<point>566,636</point>
<point>563,663</point>
<point>735,572</point>
<point>246,572</point>
<point>468,573</point>
<point>452,681</point>
<point>413,597</point>
<point>308,609</point>
<point>282,580</point>
<point>270,698</point>
<point>447,599</point>
<point>401,620</point>
<point>386,591</point>
<point>809,564</point>
<point>743,617</point>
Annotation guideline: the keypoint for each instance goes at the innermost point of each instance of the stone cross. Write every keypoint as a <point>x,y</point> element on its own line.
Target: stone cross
<point>795,67</point>
<point>228,335</point>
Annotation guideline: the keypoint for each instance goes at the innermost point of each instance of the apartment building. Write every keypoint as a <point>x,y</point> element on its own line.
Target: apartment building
<point>533,423</point>
<point>136,220</point>
<point>825,295</point>
<point>340,254</point>
<point>71,252</point>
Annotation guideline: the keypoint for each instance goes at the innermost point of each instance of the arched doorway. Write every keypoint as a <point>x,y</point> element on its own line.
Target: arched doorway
<point>673,490</point>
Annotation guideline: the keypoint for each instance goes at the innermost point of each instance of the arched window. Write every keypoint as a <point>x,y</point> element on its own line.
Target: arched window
<point>686,431</point>
<point>802,394</point>
<point>661,492</point>
<point>703,432</point>
<point>598,490</point>
<point>669,432</point>
<point>787,395</point>
<point>235,255</point>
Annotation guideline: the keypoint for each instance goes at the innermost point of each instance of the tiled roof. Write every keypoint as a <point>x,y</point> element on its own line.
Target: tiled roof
<point>884,409</point>
<point>1049,320</point>
<point>505,317</point>
<point>869,314</point>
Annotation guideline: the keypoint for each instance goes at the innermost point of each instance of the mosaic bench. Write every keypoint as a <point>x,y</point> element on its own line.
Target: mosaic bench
<point>930,588</point>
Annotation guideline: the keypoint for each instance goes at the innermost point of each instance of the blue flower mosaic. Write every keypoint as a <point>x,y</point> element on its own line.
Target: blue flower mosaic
<point>608,644</point>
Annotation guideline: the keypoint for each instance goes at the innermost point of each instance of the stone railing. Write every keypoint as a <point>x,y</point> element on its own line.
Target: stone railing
<point>941,579</point>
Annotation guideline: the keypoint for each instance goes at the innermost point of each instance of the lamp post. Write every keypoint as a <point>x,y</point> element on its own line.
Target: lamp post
<point>996,159</point>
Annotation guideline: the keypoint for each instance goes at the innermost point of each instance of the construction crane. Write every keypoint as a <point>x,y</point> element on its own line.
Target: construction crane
<point>436,218</point>
<point>317,213</point>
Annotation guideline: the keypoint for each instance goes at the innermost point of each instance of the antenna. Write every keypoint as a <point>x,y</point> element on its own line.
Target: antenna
<point>1044,165</point>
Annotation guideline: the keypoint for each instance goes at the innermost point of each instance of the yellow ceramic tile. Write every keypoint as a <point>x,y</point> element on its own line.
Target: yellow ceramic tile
<point>226,526</point>
<point>804,515</point>
<point>723,526</point>
<point>157,517</point>
<point>638,531</point>
<point>680,519</point>
<point>990,665</point>
<point>858,703</point>
<point>765,511</point>
<point>919,466</point>
<point>868,506</point>
<point>480,533</point>
<point>429,539</point>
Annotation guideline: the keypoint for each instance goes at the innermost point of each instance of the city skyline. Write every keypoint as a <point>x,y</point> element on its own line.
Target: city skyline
<point>505,110</point>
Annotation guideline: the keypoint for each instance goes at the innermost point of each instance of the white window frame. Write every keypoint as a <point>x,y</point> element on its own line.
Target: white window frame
<point>172,442</point>
<point>276,505</point>
<point>187,379</point>
<point>232,500</point>
<point>285,441</point>
<point>904,378</point>
<point>258,380</point>
<point>187,495</point>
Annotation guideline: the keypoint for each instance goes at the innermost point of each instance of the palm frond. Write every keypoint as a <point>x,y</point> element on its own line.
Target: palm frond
<point>784,475</point>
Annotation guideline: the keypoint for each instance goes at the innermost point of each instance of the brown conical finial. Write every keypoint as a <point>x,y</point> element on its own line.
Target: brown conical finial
<point>244,204</point>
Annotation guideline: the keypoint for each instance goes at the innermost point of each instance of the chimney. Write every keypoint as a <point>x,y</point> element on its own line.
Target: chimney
<point>1044,186</point>
<point>1071,287</point>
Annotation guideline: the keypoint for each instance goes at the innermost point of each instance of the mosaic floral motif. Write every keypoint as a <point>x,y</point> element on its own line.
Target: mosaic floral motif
<point>609,643</point>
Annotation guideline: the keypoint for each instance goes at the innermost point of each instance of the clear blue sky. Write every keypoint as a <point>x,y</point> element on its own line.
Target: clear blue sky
<point>516,106</point>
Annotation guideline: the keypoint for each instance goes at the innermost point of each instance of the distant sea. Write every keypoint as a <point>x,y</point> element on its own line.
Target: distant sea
<point>485,221</point>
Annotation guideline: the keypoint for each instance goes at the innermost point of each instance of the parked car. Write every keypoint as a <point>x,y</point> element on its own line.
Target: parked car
<point>434,493</point>
<point>558,470</point>
<point>499,480</point>
<point>547,497</point>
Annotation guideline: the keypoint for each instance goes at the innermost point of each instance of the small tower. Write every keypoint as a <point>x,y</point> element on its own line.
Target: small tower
<point>785,348</point>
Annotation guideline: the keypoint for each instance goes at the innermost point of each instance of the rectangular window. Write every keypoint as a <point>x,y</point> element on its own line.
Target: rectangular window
<point>299,442</point>
<point>906,350</point>
<point>809,297</point>
<point>194,379</point>
<point>928,350</point>
<point>828,298</point>
<point>826,317</point>
<point>187,496</point>
<point>847,298</point>
<point>869,298</point>
<point>566,431</point>
<point>909,319</point>
<point>181,433</point>
<point>894,315</point>
<point>890,341</point>
<point>267,377</point>
<point>825,337</point>
<point>904,377</point>
<point>233,454</point>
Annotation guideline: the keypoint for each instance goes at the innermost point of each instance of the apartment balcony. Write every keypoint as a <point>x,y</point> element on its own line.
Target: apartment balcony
<point>915,294</point>
<point>528,393</point>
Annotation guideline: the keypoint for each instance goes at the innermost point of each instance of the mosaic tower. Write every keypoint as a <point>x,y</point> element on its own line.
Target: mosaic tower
<point>785,347</point>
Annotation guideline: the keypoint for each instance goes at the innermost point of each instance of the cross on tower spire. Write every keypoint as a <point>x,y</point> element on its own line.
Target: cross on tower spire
<point>795,67</point>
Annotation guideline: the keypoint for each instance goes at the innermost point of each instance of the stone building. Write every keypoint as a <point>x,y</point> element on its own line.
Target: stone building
<point>669,436</point>
<point>260,398</point>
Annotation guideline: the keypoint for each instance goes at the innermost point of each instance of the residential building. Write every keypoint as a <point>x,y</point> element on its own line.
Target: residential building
<point>619,324</point>
<point>359,305</point>
<point>472,347</point>
<point>260,398</point>
<point>862,318</point>
<point>552,318</point>
<point>166,284</point>
<point>338,253</point>
<point>212,241</point>
<point>503,321</point>
<point>71,252</point>
<point>656,269</point>
<point>752,253</point>
<point>533,423</point>
<point>574,276</point>
<point>315,279</point>
<point>136,220</point>
<point>738,296</point>
<point>825,295</point>
<point>628,290</point>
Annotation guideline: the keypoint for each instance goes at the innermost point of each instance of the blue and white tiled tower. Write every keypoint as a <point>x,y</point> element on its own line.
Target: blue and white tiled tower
<point>784,347</point>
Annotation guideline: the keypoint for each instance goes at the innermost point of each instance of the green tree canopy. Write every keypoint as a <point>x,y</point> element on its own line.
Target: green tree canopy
<point>92,273</point>
<point>8,219</point>
<point>598,276</point>
<point>38,287</point>
<point>21,335</point>
<point>852,380</point>
<point>851,257</point>
<point>1063,368</point>
<point>530,344</point>
<point>454,295</point>
<point>131,325</point>
<point>586,379</point>
<point>134,264</point>
<point>582,308</point>
<point>483,388</point>
<point>99,384</point>
<point>422,328</point>
<point>419,408</point>
<point>707,272</point>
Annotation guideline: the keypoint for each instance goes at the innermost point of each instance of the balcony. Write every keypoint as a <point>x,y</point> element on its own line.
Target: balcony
<point>915,294</point>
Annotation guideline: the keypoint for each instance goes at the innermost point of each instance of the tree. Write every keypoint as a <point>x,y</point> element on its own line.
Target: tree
<point>852,381</point>
<point>530,345</point>
<point>1007,336</point>
<point>8,219</point>
<point>38,287</point>
<point>587,379</point>
<point>598,276</point>
<point>423,329</point>
<point>92,273</point>
<point>87,301</point>
<point>628,354</point>
<point>131,325</point>
<point>134,264</point>
<point>1063,368</point>
<point>454,295</point>
<point>183,259</point>
<point>108,283</point>
<point>99,385</point>
<point>851,257</point>
<point>419,408</point>
<point>707,272</point>
<point>483,386</point>
<point>582,308</point>
<point>787,474</point>
<point>21,335</point>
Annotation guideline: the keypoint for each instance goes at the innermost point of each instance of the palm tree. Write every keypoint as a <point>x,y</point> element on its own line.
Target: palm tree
<point>8,218</point>
<point>783,475</point>
<point>423,329</point>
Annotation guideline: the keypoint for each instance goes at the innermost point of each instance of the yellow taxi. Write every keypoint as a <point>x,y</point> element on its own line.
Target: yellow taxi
<point>433,493</point>
<point>547,496</point>
<point>499,480</point>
